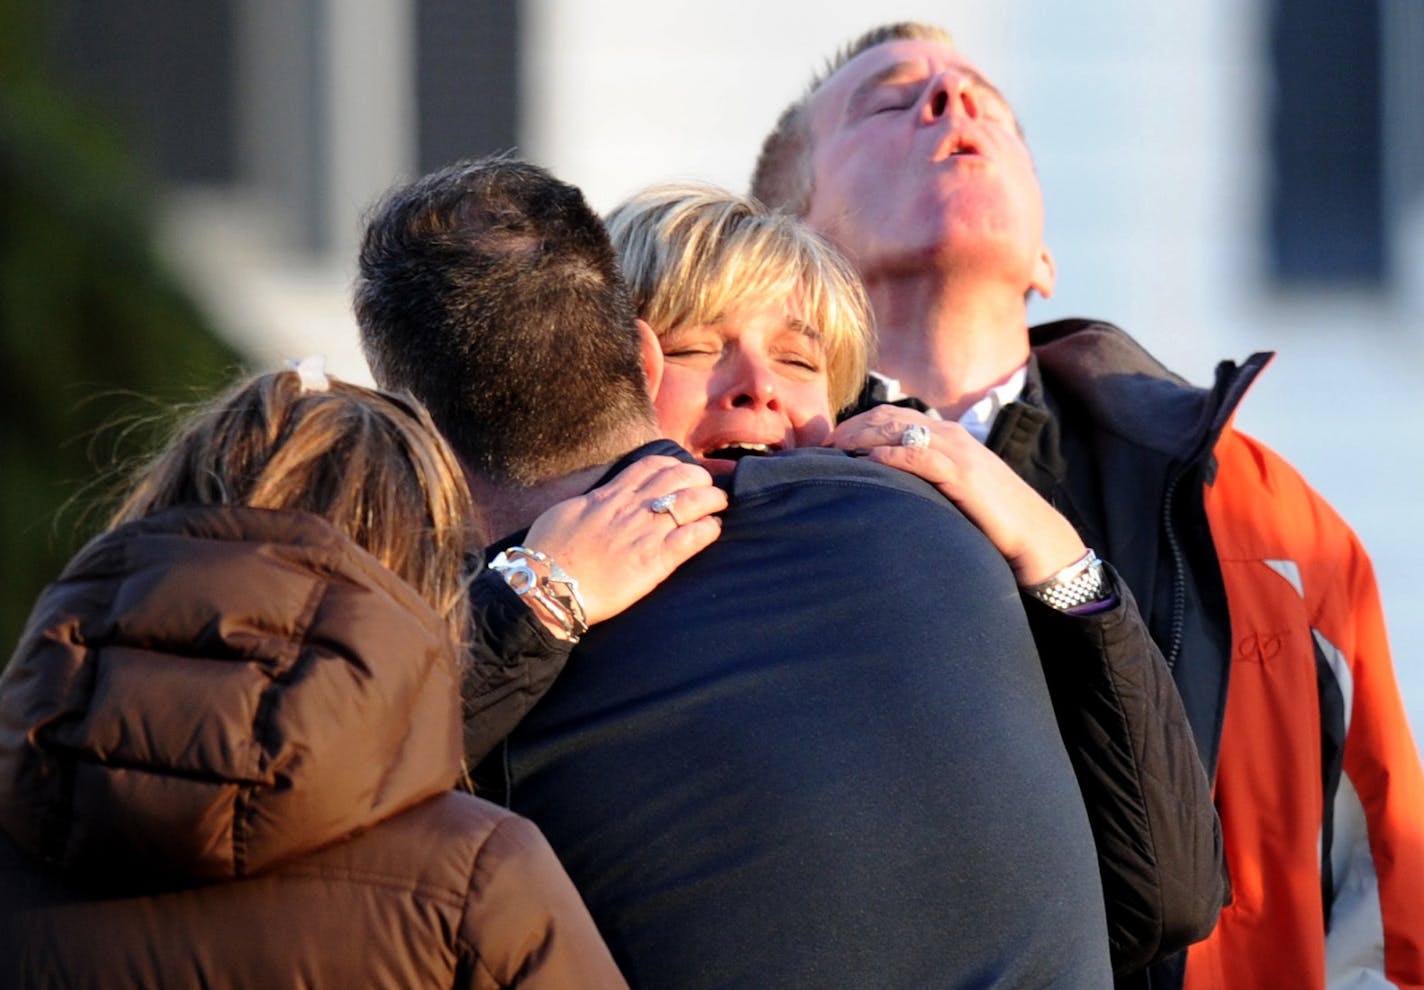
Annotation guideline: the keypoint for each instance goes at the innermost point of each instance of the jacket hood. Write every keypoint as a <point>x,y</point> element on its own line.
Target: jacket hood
<point>208,692</point>
<point>1128,392</point>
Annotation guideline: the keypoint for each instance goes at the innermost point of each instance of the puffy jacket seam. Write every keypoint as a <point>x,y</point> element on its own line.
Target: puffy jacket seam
<point>61,819</point>
<point>474,950</point>
<point>263,726</point>
<point>424,890</point>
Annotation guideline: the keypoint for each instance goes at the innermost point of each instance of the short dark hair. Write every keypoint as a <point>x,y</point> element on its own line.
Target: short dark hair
<point>489,291</point>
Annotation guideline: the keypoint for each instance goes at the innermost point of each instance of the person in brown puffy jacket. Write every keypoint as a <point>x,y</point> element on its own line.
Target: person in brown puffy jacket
<point>230,730</point>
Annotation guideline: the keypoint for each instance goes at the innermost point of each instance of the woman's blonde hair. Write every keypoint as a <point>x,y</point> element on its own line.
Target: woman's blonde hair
<point>369,462</point>
<point>694,254</point>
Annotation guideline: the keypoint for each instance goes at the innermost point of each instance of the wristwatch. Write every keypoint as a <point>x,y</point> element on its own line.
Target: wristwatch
<point>1080,583</point>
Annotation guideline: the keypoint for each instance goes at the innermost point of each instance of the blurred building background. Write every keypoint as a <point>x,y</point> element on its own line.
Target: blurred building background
<point>1221,177</point>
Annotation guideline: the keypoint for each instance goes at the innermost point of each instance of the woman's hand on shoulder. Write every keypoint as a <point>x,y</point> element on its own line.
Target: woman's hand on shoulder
<point>1034,537</point>
<point>618,544</point>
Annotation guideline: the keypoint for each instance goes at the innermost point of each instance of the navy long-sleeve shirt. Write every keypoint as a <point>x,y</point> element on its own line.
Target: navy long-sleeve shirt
<point>820,754</point>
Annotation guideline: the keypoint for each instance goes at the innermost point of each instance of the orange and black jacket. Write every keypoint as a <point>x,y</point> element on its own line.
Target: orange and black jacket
<point>1265,605</point>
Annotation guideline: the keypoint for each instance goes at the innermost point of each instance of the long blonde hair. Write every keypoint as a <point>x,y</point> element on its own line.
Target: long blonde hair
<point>369,462</point>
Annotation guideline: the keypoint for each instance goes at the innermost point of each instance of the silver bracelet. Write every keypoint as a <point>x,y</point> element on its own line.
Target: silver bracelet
<point>537,577</point>
<point>1080,583</point>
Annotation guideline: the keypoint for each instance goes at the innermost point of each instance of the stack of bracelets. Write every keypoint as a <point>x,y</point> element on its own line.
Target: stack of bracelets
<point>547,588</point>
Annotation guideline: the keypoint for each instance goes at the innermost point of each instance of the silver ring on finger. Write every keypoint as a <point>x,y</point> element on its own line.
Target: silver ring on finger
<point>915,435</point>
<point>664,504</point>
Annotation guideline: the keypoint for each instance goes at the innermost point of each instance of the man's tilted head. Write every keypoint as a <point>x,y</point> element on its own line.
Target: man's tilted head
<point>488,289</point>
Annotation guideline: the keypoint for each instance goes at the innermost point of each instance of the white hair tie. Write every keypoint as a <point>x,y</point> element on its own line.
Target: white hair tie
<point>311,370</point>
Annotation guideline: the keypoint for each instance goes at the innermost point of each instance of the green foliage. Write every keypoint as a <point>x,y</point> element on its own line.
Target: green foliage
<point>95,335</point>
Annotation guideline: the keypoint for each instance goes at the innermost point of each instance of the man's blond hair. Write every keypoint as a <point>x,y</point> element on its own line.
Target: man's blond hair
<point>694,254</point>
<point>782,176</point>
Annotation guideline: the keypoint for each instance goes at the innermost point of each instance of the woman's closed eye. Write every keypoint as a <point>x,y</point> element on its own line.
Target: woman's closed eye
<point>689,347</point>
<point>803,361</point>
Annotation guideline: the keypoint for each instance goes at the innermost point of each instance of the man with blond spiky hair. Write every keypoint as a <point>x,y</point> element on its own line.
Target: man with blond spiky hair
<point>904,154</point>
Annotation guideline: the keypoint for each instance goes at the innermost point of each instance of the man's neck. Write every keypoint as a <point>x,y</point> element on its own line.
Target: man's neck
<point>948,344</point>
<point>502,510</point>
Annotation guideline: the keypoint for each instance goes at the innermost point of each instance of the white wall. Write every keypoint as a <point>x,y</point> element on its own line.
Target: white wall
<point>1146,120</point>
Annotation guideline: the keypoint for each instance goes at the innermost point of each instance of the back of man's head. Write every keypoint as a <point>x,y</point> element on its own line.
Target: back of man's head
<point>488,289</point>
<point>782,176</point>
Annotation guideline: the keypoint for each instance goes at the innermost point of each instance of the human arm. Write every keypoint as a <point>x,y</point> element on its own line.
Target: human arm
<point>524,924</point>
<point>1034,537</point>
<point>1375,929</point>
<point>1156,831</point>
<point>1315,735</point>
<point>616,548</point>
<point>1157,835</point>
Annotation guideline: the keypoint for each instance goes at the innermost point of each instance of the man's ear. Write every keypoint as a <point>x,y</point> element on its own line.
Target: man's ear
<point>1045,273</point>
<point>652,358</point>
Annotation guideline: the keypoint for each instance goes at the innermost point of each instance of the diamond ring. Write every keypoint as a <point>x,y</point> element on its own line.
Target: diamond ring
<point>665,503</point>
<point>915,435</point>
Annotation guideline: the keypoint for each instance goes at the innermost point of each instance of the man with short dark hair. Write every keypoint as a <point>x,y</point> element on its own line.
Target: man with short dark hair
<point>482,233</point>
<point>815,755</point>
<point>906,156</point>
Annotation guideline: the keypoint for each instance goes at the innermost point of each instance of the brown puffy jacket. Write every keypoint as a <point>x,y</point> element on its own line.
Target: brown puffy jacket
<point>227,740</point>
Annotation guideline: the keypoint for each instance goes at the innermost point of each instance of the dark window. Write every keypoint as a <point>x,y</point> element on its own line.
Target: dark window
<point>1327,214</point>
<point>467,79</point>
<point>162,69</point>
